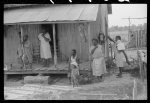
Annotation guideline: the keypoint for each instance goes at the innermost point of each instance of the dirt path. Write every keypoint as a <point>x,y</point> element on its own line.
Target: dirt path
<point>111,88</point>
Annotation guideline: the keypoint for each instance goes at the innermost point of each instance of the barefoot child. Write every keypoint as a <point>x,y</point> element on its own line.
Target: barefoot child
<point>119,54</point>
<point>73,68</point>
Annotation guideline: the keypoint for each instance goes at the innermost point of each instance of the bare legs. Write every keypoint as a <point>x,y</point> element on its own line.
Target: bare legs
<point>120,72</point>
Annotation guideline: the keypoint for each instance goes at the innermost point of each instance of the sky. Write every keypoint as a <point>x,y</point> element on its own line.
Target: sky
<point>120,11</point>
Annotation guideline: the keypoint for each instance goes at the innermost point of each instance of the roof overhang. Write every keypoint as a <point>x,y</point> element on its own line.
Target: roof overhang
<point>73,13</point>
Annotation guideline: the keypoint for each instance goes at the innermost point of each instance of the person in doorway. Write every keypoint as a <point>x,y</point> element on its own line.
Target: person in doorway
<point>27,50</point>
<point>45,50</point>
<point>98,66</point>
<point>73,68</point>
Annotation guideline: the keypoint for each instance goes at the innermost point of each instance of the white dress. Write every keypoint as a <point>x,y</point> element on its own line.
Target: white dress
<point>98,64</point>
<point>73,61</point>
<point>119,56</point>
<point>45,50</point>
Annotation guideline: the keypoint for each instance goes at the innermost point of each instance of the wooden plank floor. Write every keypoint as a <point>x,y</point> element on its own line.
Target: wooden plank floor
<point>61,68</point>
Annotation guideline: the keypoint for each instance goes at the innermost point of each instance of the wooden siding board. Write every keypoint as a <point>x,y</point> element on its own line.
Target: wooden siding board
<point>10,46</point>
<point>69,35</point>
<point>11,42</point>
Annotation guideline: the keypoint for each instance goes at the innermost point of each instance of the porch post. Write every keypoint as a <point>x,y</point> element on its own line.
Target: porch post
<point>54,42</point>
<point>21,32</point>
<point>106,43</point>
<point>89,41</point>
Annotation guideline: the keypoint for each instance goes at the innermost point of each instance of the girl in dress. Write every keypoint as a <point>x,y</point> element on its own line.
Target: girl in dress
<point>73,69</point>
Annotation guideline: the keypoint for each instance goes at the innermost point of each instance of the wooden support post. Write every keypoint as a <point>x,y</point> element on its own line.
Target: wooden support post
<point>24,65</point>
<point>89,41</point>
<point>54,41</point>
<point>21,32</point>
<point>111,51</point>
<point>136,39</point>
<point>106,43</point>
<point>134,89</point>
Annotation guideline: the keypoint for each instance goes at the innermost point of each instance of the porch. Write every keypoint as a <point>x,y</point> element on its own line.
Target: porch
<point>60,68</point>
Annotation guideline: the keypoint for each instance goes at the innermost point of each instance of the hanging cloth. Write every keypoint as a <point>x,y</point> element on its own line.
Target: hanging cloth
<point>83,31</point>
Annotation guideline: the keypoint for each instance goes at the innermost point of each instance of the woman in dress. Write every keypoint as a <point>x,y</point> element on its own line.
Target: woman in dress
<point>98,67</point>
<point>45,50</point>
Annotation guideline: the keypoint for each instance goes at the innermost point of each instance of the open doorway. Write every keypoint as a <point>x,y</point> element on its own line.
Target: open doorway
<point>49,29</point>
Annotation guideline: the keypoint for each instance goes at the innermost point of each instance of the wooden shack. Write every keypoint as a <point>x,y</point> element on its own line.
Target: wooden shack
<point>64,23</point>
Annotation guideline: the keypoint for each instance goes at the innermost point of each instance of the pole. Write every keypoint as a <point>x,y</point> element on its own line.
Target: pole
<point>106,43</point>
<point>24,65</point>
<point>89,40</point>
<point>21,33</point>
<point>54,41</point>
<point>129,23</point>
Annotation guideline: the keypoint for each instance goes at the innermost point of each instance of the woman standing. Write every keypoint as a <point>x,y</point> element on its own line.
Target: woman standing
<point>98,66</point>
<point>102,40</point>
<point>45,51</point>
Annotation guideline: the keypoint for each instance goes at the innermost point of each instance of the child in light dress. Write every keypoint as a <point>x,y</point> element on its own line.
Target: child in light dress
<point>73,69</point>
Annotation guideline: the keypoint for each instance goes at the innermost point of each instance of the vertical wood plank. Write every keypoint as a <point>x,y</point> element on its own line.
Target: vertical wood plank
<point>54,40</point>
<point>89,41</point>
<point>21,32</point>
<point>106,43</point>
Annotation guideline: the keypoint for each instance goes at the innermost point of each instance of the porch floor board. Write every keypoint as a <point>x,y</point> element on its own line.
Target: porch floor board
<point>61,68</point>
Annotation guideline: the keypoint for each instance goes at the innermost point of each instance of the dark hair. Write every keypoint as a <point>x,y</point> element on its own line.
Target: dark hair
<point>119,37</point>
<point>99,39</point>
<point>26,36</point>
<point>101,34</point>
<point>95,40</point>
<point>19,33</point>
<point>74,50</point>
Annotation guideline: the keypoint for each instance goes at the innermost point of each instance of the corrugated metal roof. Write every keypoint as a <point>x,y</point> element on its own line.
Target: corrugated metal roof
<point>18,5</point>
<point>56,13</point>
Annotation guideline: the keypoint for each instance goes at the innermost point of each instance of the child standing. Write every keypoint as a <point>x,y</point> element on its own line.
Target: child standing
<point>73,68</point>
<point>119,55</point>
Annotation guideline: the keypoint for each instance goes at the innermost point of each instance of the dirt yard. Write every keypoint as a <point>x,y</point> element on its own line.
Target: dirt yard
<point>59,88</point>
<point>111,88</point>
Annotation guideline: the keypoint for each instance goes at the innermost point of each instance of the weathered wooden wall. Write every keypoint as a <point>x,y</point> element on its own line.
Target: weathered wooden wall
<point>69,38</point>
<point>11,40</point>
<point>32,31</point>
<point>11,43</point>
